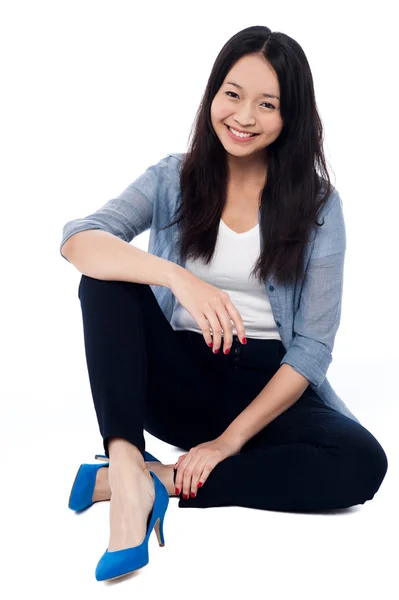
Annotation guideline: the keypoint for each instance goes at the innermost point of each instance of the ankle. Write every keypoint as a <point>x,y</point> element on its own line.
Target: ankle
<point>120,450</point>
<point>165,474</point>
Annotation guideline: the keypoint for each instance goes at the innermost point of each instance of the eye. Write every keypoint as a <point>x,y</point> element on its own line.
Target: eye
<point>268,103</point>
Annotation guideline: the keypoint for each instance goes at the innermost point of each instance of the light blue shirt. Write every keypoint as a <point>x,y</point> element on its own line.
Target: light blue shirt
<point>307,316</point>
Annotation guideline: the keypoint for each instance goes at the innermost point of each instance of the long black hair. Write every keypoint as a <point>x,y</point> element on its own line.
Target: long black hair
<point>294,191</point>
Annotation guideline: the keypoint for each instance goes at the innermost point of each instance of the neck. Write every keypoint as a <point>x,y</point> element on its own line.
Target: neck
<point>247,181</point>
<point>242,174</point>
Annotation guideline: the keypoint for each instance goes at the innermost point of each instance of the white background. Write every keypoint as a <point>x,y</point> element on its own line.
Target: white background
<point>92,94</point>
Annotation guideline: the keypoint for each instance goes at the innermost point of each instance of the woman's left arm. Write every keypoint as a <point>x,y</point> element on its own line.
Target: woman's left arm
<point>318,317</point>
<point>282,391</point>
<point>306,360</point>
<point>315,325</point>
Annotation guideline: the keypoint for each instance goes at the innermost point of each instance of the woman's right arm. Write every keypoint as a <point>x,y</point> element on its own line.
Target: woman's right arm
<point>102,255</point>
<point>99,244</point>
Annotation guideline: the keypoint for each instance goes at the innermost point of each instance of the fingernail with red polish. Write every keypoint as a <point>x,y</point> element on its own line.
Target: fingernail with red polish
<point>177,491</point>
<point>227,351</point>
<point>210,345</point>
<point>216,351</point>
<point>244,340</point>
<point>199,484</point>
<point>185,496</point>
<point>192,495</point>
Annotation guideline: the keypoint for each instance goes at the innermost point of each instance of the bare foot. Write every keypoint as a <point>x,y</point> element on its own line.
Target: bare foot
<point>102,490</point>
<point>132,499</point>
<point>165,474</point>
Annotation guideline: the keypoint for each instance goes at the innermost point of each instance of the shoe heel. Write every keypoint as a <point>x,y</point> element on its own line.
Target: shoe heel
<point>82,489</point>
<point>101,457</point>
<point>159,531</point>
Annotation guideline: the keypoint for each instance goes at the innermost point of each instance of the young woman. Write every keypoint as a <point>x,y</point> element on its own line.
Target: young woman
<point>218,339</point>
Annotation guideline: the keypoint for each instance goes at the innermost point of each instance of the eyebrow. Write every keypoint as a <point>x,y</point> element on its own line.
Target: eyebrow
<point>241,88</point>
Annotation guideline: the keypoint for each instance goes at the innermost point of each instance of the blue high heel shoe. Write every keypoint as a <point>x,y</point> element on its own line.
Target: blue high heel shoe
<point>121,562</point>
<point>81,495</point>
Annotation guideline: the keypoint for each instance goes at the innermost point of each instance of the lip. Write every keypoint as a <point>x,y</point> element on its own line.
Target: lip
<point>240,130</point>
<point>240,140</point>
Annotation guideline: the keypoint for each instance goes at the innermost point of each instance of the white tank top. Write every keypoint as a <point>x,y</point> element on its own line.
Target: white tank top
<point>229,270</point>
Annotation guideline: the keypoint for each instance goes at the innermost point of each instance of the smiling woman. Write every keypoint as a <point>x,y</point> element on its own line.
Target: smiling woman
<point>260,84</point>
<point>246,267</point>
<point>246,112</point>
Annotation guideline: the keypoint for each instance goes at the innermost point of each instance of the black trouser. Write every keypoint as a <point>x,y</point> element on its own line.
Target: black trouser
<point>145,375</point>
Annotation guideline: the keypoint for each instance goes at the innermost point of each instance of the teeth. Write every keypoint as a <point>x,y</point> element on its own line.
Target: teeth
<point>238,134</point>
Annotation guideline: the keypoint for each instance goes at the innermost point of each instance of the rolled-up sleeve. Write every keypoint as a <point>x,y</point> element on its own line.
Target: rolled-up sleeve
<point>319,313</point>
<point>127,215</point>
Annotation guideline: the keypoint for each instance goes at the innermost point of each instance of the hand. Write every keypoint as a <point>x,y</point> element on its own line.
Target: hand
<point>193,468</point>
<point>210,307</point>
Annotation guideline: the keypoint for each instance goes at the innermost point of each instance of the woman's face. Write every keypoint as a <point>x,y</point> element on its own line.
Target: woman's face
<point>247,108</point>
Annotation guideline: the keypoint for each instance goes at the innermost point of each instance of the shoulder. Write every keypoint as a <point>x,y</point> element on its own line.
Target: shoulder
<point>162,173</point>
<point>332,207</point>
<point>172,160</point>
<point>176,155</point>
<point>333,215</point>
<point>330,234</point>
<point>169,166</point>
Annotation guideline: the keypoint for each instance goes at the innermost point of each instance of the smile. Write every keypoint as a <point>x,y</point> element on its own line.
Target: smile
<point>240,137</point>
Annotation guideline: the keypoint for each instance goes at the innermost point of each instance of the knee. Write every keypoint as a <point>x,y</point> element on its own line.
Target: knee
<point>380,463</point>
<point>91,284</point>
<point>87,283</point>
<point>372,466</point>
<point>90,287</point>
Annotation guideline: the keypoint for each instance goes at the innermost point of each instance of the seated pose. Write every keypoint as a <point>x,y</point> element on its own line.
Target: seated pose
<point>218,339</point>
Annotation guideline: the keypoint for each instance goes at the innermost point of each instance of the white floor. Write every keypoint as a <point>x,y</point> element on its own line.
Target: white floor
<point>227,552</point>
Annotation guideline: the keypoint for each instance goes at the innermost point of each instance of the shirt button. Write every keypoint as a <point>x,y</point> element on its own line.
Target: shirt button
<point>278,323</point>
<point>237,350</point>
<point>271,288</point>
